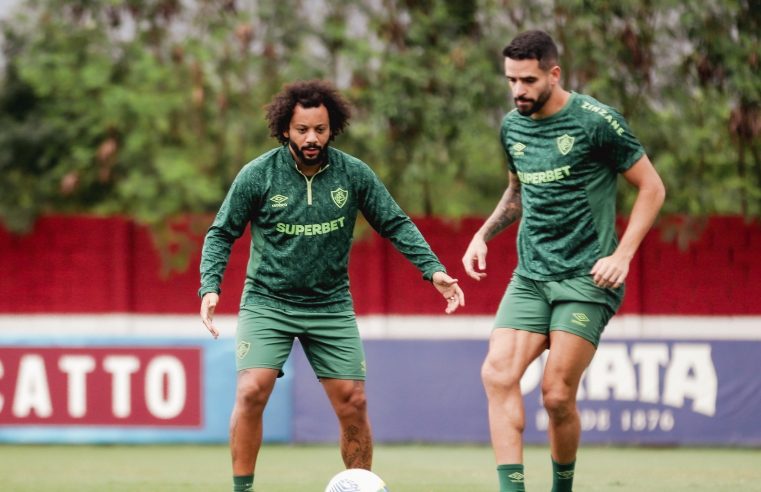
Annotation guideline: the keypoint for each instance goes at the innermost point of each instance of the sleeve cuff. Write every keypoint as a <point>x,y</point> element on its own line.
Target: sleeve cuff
<point>205,290</point>
<point>428,274</point>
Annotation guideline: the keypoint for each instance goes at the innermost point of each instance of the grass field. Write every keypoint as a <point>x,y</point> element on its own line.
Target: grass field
<point>405,468</point>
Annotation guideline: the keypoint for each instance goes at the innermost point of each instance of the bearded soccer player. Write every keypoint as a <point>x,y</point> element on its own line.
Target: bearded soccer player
<point>564,152</point>
<point>301,200</point>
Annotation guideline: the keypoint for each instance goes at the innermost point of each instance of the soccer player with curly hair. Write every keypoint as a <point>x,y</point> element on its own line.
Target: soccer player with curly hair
<point>301,202</point>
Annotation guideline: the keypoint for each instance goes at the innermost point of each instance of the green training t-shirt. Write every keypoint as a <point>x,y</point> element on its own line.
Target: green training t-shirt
<point>568,165</point>
<point>301,230</point>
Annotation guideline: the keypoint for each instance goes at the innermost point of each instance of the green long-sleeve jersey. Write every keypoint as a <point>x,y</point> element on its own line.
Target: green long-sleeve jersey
<point>301,231</point>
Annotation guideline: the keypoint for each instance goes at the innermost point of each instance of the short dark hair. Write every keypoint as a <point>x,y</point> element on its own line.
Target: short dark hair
<point>310,94</point>
<point>533,45</point>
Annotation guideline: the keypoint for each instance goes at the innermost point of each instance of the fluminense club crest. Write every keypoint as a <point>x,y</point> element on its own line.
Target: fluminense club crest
<point>565,143</point>
<point>339,196</point>
<point>242,349</point>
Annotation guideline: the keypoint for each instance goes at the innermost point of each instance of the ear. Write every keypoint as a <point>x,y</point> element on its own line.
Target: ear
<point>555,74</point>
<point>286,135</point>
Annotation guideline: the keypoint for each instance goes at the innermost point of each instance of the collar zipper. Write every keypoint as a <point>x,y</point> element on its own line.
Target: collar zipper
<point>309,181</point>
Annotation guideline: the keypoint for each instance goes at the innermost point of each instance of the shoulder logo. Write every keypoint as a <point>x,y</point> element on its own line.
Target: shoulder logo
<point>279,201</point>
<point>339,196</point>
<point>565,143</point>
<point>518,149</point>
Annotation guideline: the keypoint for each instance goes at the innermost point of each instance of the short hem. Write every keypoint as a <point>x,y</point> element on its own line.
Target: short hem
<point>341,376</point>
<point>520,328</point>
<point>542,332</point>
<point>279,370</point>
<point>579,334</point>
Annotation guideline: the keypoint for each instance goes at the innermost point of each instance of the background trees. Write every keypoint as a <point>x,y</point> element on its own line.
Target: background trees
<point>148,108</point>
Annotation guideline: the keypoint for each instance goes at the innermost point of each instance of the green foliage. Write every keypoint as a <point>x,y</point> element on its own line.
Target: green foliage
<point>148,108</point>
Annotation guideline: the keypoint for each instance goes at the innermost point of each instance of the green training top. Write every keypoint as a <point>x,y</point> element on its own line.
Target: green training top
<point>567,164</point>
<point>302,229</point>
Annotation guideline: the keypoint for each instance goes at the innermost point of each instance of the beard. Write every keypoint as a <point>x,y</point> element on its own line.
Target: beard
<point>536,104</point>
<point>317,160</point>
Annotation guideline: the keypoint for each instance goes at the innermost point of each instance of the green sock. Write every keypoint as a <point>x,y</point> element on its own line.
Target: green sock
<point>511,478</point>
<point>243,483</point>
<point>562,476</point>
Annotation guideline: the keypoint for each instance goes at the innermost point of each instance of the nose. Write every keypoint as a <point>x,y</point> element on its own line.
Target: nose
<point>519,90</point>
<point>311,136</point>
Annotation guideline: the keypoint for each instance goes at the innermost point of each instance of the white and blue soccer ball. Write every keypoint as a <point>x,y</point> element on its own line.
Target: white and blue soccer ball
<point>356,480</point>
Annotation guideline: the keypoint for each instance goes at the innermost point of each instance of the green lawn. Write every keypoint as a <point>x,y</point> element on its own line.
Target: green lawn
<point>405,468</point>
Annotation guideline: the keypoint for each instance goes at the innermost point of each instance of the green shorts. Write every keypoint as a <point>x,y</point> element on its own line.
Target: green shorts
<point>575,305</point>
<point>331,342</point>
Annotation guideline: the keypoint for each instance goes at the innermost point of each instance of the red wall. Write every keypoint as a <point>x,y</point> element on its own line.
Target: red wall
<point>96,265</point>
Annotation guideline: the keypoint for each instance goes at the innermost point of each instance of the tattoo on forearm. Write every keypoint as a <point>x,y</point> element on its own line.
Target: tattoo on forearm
<point>508,211</point>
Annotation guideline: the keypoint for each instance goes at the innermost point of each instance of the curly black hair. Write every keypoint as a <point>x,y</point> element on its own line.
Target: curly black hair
<point>310,94</point>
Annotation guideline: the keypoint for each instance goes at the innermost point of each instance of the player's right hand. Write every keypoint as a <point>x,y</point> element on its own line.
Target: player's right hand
<point>475,255</point>
<point>208,304</point>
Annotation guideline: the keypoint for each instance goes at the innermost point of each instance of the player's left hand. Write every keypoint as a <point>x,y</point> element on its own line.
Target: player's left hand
<point>450,290</point>
<point>208,305</point>
<point>610,272</point>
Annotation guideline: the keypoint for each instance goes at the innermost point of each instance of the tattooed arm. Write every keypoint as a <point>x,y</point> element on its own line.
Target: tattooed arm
<point>508,210</point>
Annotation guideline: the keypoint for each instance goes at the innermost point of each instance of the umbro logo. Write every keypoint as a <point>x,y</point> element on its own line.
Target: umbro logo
<point>565,475</point>
<point>279,201</point>
<point>580,319</point>
<point>516,477</point>
<point>518,149</point>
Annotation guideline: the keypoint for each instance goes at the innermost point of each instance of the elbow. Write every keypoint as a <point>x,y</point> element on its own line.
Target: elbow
<point>655,193</point>
<point>660,193</point>
<point>220,233</point>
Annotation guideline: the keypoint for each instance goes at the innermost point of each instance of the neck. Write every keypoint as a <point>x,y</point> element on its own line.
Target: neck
<point>305,169</point>
<point>308,171</point>
<point>555,103</point>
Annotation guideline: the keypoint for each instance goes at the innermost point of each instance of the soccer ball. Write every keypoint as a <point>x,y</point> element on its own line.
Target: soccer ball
<point>356,480</point>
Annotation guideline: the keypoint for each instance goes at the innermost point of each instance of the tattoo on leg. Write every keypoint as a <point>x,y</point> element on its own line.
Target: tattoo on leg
<point>356,448</point>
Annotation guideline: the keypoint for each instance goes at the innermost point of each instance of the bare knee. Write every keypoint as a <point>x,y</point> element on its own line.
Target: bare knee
<point>351,404</point>
<point>497,377</point>
<point>251,396</point>
<point>559,401</point>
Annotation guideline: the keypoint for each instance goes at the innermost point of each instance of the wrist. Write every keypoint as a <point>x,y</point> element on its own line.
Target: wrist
<point>433,274</point>
<point>202,292</point>
<point>482,235</point>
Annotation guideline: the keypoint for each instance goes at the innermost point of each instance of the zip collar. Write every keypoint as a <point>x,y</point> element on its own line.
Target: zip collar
<point>308,179</point>
<point>309,182</point>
